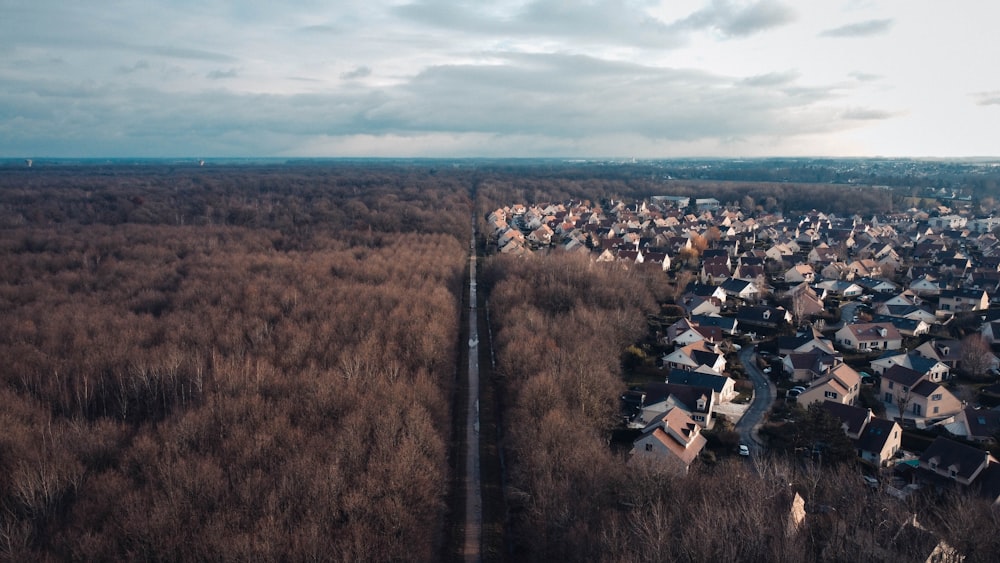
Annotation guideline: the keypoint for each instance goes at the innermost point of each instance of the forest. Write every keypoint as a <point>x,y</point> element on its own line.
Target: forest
<point>261,363</point>
<point>227,364</point>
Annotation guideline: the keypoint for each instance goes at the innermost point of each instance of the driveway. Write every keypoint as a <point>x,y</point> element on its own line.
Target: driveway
<point>764,395</point>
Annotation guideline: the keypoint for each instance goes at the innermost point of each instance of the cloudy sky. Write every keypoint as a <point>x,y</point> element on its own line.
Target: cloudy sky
<point>443,78</point>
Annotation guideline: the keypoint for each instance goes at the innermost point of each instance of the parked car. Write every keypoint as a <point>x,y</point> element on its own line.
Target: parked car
<point>792,393</point>
<point>799,388</point>
<point>744,450</point>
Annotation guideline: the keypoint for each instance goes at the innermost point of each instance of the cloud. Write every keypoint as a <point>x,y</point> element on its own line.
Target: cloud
<point>865,77</point>
<point>867,114</point>
<point>568,104</point>
<point>739,19</point>
<point>771,79</point>
<point>602,22</point>
<point>138,66</point>
<point>860,29</point>
<point>987,98</point>
<point>359,72</point>
<point>221,74</point>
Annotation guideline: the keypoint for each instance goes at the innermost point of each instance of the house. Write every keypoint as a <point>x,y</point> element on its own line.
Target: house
<point>879,442</point>
<point>864,337</point>
<point>762,316</point>
<point>724,387</point>
<point>905,326</point>
<point>805,341</point>
<point>912,312</point>
<point>932,369</point>
<point>696,355</point>
<point>657,398</point>
<point>981,425</point>
<point>915,395</point>
<point>800,273</point>
<point>841,288</point>
<point>806,366</point>
<point>695,305</point>
<point>852,419</point>
<point>840,384</point>
<point>542,235</point>
<point>740,289</point>
<point>875,285</point>
<point>961,300</point>
<point>932,400</point>
<point>672,442</point>
<point>949,352</point>
<point>714,273</point>
<point>805,302</point>
<point>727,325</point>
<point>955,461</point>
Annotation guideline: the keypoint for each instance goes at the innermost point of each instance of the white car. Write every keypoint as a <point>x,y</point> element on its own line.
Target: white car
<point>744,450</point>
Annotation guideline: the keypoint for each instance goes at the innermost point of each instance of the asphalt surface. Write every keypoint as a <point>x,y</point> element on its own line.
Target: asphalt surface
<point>472,550</point>
<point>764,395</point>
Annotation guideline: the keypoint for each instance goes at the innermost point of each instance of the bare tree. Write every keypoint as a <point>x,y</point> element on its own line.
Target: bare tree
<point>976,355</point>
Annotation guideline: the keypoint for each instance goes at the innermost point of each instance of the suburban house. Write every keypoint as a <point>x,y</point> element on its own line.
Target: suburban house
<point>800,273</point>
<point>762,317</point>
<point>980,425</point>
<point>727,325</point>
<point>879,442</point>
<point>723,386</point>
<point>955,461</point>
<point>915,396</point>
<point>840,384</point>
<point>806,366</point>
<point>949,352</point>
<point>933,370</point>
<point>841,288</point>
<point>695,355</point>
<point>805,301</point>
<point>695,305</point>
<point>657,398</point>
<point>905,326</point>
<point>740,289</point>
<point>671,441</point>
<point>805,341</point>
<point>864,337</point>
<point>876,439</point>
<point>962,300</point>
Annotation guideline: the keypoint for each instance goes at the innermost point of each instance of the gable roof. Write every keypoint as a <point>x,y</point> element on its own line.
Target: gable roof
<point>875,435</point>
<point>716,383</point>
<point>853,418</point>
<point>965,460</point>
<point>902,375</point>
<point>983,423</point>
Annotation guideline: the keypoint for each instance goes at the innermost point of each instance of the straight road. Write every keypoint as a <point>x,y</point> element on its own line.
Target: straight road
<point>472,550</point>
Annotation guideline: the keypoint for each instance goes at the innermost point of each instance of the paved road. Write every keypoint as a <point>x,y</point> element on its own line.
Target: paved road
<point>764,395</point>
<point>472,550</point>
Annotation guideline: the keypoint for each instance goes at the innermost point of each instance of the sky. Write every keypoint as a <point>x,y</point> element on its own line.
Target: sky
<point>528,78</point>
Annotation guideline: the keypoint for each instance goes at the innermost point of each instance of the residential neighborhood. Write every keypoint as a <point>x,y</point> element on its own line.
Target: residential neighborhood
<point>883,322</point>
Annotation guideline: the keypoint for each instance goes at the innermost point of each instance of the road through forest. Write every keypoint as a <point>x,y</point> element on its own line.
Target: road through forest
<point>472,550</point>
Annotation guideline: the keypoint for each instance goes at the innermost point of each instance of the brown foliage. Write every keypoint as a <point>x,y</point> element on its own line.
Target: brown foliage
<point>208,372</point>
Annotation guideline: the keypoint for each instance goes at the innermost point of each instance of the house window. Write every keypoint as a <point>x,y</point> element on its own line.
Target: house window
<point>890,385</point>
<point>953,474</point>
<point>906,389</point>
<point>935,410</point>
<point>699,418</point>
<point>916,410</point>
<point>649,447</point>
<point>830,395</point>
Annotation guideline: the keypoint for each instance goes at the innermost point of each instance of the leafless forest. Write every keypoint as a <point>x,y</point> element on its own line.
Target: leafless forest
<point>227,365</point>
<point>258,363</point>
